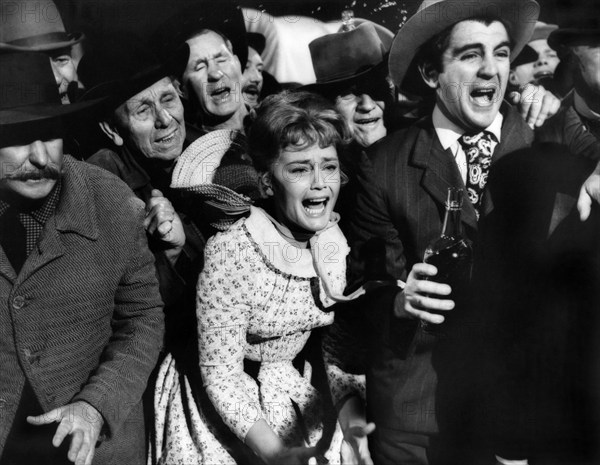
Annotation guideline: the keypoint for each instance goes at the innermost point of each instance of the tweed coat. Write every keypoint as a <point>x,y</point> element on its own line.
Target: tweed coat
<point>84,313</point>
<point>402,190</point>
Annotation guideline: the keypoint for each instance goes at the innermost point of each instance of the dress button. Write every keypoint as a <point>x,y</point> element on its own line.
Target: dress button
<point>18,302</point>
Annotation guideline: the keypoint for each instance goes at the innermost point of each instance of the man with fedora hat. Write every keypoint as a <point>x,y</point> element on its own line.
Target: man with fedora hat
<point>81,315</point>
<point>351,71</point>
<point>541,68</point>
<point>143,118</point>
<point>422,390</point>
<point>34,26</point>
<point>579,37</point>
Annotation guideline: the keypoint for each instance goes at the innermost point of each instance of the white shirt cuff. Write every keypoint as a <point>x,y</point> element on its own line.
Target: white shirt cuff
<point>511,462</point>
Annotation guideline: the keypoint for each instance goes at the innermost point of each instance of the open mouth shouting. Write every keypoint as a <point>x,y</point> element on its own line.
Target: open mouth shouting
<point>252,90</point>
<point>543,75</point>
<point>316,206</point>
<point>484,96</point>
<point>367,121</point>
<point>221,93</point>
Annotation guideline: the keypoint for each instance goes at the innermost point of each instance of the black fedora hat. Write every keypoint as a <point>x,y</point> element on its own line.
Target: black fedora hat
<point>122,67</point>
<point>28,91</point>
<point>226,19</point>
<point>577,29</point>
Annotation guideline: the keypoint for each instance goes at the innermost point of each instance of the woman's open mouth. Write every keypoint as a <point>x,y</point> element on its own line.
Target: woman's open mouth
<point>315,207</point>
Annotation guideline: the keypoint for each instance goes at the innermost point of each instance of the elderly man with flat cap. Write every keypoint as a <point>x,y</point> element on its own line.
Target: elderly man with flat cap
<point>143,121</point>
<point>423,392</point>
<point>81,321</point>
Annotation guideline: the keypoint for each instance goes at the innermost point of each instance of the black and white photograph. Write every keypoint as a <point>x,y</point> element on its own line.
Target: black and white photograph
<point>300,232</point>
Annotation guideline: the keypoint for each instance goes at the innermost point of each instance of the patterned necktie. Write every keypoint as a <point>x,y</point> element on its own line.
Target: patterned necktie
<point>478,151</point>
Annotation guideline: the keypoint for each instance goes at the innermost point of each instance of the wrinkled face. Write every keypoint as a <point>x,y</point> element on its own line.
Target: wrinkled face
<point>588,57</point>
<point>30,171</point>
<point>364,116</point>
<point>252,79</point>
<point>214,75</point>
<point>543,67</point>
<point>306,185</point>
<point>475,69</point>
<point>151,122</point>
<point>64,68</point>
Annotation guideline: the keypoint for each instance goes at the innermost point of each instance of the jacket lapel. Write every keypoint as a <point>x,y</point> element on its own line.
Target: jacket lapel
<point>440,171</point>
<point>516,135</point>
<point>6,269</point>
<point>75,213</point>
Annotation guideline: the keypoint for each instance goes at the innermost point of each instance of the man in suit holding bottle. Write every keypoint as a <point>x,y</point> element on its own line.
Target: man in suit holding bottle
<point>421,389</point>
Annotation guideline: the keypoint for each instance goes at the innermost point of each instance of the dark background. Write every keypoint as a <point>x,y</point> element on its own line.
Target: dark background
<point>144,16</point>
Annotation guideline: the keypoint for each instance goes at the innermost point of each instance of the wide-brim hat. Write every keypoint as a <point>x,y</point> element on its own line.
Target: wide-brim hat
<point>118,70</point>
<point>226,19</point>
<point>29,91</point>
<point>577,29</point>
<point>216,166</point>
<point>343,57</point>
<point>433,16</point>
<point>34,26</point>
<point>542,30</point>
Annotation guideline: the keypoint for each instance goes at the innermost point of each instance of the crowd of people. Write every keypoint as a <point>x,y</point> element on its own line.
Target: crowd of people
<point>202,265</point>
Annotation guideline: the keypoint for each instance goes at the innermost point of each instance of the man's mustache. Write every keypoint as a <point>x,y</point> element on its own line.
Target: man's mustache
<point>50,171</point>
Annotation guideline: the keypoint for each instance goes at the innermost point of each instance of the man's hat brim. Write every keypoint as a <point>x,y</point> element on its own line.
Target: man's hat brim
<point>43,43</point>
<point>326,88</point>
<point>116,92</point>
<point>564,37</point>
<point>434,16</point>
<point>38,113</point>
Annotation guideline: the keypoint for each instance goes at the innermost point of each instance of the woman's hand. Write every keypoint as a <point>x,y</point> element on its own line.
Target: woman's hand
<point>355,447</point>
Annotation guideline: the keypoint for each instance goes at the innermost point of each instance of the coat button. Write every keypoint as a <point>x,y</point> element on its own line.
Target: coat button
<point>18,302</point>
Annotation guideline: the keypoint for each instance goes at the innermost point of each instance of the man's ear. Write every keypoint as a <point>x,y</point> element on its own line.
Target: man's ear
<point>429,74</point>
<point>111,132</point>
<point>264,185</point>
<point>178,87</point>
<point>512,79</point>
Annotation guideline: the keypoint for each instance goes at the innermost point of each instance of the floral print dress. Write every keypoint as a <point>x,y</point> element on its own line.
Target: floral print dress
<point>258,298</point>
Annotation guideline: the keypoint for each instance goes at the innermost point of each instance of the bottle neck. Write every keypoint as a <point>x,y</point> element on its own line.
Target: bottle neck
<point>452,226</point>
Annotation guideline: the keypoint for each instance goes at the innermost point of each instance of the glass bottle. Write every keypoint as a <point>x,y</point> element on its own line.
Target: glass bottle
<point>451,253</point>
<point>348,20</point>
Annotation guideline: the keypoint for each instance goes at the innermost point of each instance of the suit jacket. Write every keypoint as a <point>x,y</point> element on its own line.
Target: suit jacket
<point>403,186</point>
<point>569,128</point>
<point>84,315</point>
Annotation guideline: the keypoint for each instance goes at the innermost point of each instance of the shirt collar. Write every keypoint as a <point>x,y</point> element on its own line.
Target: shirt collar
<point>448,132</point>
<point>583,109</point>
